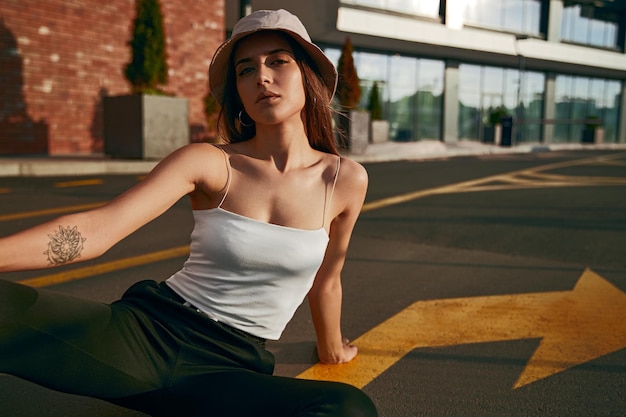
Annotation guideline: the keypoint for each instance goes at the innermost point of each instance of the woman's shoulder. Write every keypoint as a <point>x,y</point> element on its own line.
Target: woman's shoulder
<point>351,184</point>
<point>201,162</point>
<point>352,173</point>
<point>196,150</point>
<point>197,155</point>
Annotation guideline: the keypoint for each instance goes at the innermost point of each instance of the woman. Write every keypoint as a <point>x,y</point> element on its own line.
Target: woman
<point>274,210</point>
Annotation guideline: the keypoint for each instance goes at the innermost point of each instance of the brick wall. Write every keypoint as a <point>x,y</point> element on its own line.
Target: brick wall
<point>59,57</point>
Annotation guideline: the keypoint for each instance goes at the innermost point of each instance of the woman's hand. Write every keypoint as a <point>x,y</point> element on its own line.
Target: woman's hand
<point>343,355</point>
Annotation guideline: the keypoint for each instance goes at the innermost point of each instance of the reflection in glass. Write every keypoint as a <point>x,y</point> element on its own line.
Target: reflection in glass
<point>370,3</point>
<point>519,16</point>
<point>580,98</point>
<point>415,7</point>
<point>402,89</point>
<point>470,102</point>
<point>371,67</point>
<point>429,99</point>
<point>411,90</point>
<point>532,106</point>
<point>583,24</point>
<point>486,93</point>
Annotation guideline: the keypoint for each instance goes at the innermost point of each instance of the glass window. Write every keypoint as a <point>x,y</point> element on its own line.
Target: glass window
<point>584,24</point>
<point>518,16</point>
<point>411,89</point>
<point>414,7</point>
<point>578,98</point>
<point>402,89</point>
<point>470,106</point>
<point>429,99</point>
<point>483,89</point>
<point>371,67</point>
<point>532,106</point>
<point>563,86</point>
<point>369,3</point>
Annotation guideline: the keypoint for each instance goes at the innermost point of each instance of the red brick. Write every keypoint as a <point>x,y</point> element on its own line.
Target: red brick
<point>89,38</point>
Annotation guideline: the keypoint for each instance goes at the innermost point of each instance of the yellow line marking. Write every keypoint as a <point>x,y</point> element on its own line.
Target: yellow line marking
<point>106,267</point>
<point>614,162</point>
<point>78,183</point>
<point>481,184</point>
<point>47,212</point>
<point>575,327</point>
<point>5,190</point>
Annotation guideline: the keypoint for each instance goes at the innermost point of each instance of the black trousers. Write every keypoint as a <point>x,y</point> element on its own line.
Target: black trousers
<point>150,353</point>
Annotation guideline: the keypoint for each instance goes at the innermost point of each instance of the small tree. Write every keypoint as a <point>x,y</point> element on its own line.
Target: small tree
<point>148,67</point>
<point>375,105</point>
<point>348,89</point>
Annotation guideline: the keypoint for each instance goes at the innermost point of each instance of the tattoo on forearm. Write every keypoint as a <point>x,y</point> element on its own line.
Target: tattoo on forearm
<point>66,244</point>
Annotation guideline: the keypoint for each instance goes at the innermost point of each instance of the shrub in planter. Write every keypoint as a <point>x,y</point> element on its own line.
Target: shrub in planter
<point>147,70</point>
<point>379,128</point>
<point>354,126</point>
<point>375,105</point>
<point>492,131</point>
<point>146,124</point>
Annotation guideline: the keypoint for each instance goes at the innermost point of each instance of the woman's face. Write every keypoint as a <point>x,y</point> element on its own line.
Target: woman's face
<point>269,80</point>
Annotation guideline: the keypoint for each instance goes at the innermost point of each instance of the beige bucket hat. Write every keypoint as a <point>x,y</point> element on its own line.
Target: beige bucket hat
<point>268,20</point>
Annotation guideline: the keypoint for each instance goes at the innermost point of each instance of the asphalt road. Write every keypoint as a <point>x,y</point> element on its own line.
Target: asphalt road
<point>478,286</point>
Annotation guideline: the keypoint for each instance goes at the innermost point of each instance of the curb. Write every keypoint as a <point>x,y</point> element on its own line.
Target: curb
<point>382,152</point>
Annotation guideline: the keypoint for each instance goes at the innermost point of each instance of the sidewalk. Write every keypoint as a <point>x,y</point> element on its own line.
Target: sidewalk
<point>382,152</point>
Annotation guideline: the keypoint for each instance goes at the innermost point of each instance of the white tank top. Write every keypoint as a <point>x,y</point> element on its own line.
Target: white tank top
<point>247,273</point>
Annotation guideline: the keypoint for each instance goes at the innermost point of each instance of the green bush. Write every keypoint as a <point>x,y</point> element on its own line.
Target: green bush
<point>147,70</point>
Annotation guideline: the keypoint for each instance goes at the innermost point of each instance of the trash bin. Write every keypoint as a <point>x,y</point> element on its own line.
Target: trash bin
<point>507,130</point>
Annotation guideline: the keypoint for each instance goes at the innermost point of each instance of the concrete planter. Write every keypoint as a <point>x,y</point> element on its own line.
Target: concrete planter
<point>144,126</point>
<point>379,131</point>
<point>492,134</point>
<point>355,126</point>
<point>593,135</point>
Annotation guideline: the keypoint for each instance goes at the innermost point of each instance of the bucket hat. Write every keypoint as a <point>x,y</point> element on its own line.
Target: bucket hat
<point>281,20</point>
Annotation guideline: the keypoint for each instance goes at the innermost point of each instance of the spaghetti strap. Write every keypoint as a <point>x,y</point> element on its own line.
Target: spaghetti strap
<point>332,191</point>
<point>228,168</point>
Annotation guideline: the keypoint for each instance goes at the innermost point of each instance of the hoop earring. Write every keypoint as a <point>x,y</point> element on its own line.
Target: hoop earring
<point>239,116</point>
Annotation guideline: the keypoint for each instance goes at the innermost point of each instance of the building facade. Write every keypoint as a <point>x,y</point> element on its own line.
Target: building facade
<point>59,58</point>
<point>445,66</point>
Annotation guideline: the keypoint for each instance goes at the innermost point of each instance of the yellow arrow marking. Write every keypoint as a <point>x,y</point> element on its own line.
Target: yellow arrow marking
<point>576,326</point>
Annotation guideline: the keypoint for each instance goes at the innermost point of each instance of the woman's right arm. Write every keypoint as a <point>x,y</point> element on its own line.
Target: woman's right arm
<point>87,235</point>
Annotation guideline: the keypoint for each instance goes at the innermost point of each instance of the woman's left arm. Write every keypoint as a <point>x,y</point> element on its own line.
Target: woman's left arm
<point>325,297</point>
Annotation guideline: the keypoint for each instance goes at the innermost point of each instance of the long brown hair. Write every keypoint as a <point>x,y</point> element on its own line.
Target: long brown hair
<point>318,112</point>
